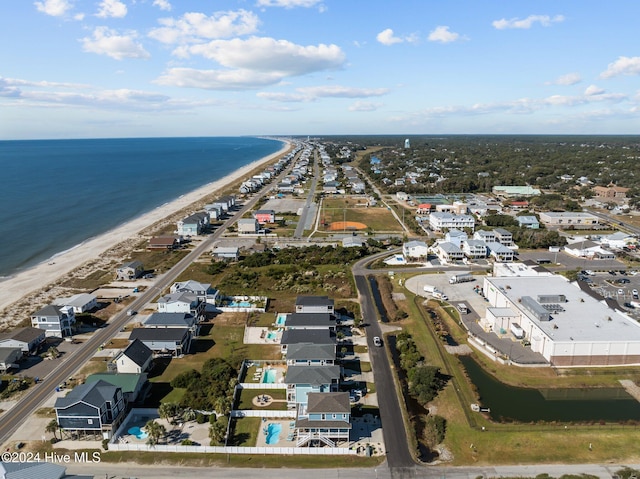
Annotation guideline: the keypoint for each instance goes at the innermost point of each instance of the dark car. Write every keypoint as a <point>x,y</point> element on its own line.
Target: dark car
<point>629,305</point>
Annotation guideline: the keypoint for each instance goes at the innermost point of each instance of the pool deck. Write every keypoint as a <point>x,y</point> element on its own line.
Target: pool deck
<point>261,440</point>
<point>258,335</point>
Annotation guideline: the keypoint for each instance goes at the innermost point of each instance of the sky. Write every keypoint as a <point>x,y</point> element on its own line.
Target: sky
<point>153,68</point>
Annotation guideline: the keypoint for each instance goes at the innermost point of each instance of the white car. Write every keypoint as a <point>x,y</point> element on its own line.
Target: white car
<point>634,293</point>
<point>620,292</point>
<point>377,341</point>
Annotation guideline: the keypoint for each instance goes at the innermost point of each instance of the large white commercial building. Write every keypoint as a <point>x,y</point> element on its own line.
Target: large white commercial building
<point>566,325</point>
<point>442,220</point>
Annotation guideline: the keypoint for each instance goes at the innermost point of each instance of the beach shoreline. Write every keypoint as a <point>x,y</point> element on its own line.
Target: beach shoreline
<point>17,287</point>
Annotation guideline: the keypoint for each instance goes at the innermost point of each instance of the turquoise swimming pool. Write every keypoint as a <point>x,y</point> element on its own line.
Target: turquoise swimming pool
<point>240,304</point>
<point>273,433</point>
<point>138,432</point>
<point>269,376</point>
<point>281,319</point>
<point>272,335</point>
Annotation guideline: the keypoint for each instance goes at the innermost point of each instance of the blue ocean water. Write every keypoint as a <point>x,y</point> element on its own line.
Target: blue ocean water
<point>55,194</point>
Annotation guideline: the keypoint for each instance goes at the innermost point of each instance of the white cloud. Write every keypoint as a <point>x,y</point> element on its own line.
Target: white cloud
<point>162,5</point>
<point>240,79</point>
<point>364,106</point>
<point>526,23</point>
<point>106,41</point>
<point>309,94</point>
<point>263,54</point>
<point>386,37</point>
<point>622,66</point>
<point>55,8</point>
<point>112,8</point>
<point>443,35</point>
<point>593,90</point>
<point>568,79</point>
<point>288,3</point>
<point>194,26</point>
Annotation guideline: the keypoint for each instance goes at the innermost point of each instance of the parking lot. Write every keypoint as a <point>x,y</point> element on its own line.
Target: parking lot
<point>622,288</point>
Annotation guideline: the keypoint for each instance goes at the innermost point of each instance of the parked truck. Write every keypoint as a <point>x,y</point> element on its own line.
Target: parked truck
<point>428,288</point>
<point>461,278</point>
<point>435,292</point>
<point>517,331</point>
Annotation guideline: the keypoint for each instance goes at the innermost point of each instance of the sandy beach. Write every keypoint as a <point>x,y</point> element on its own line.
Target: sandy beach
<point>42,276</point>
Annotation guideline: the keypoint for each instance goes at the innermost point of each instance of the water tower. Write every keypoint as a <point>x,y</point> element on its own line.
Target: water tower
<point>407,144</point>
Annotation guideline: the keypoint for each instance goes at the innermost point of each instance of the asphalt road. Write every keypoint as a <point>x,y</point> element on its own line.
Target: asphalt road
<point>36,396</point>
<point>399,455</point>
<point>302,221</point>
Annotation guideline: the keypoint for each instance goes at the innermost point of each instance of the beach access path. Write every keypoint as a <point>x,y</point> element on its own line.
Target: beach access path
<point>39,277</point>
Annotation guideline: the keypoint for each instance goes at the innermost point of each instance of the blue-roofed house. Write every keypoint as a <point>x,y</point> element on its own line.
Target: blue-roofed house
<point>96,408</point>
<point>530,222</point>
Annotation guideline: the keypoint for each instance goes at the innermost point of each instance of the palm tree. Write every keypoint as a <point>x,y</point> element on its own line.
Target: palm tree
<point>169,411</point>
<point>52,427</point>
<point>53,352</point>
<point>155,431</point>
<point>217,431</point>
<point>189,415</point>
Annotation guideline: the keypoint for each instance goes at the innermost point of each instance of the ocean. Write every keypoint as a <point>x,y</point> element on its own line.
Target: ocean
<point>56,194</point>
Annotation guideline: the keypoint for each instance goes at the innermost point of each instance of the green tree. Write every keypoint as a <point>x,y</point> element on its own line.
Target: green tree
<point>52,427</point>
<point>217,431</point>
<point>155,432</point>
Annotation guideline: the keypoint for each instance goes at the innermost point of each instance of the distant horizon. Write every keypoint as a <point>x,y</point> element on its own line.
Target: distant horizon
<point>296,136</point>
<point>164,68</point>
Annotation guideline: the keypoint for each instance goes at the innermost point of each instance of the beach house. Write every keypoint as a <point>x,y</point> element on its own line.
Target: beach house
<point>164,341</point>
<point>136,358</point>
<point>81,303</point>
<point>302,380</point>
<point>182,302</point>
<point>265,216</point>
<point>314,304</point>
<point>310,321</point>
<point>173,320</point>
<point>204,291</point>
<point>97,409</point>
<point>129,271</point>
<point>325,417</point>
<point>248,226</point>
<point>194,225</point>
<point>28,340</point>
<point>55,321</point>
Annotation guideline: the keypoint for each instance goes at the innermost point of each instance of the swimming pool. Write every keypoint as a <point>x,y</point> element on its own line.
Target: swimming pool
<point>272,335</point>
<point>138,432</point>
<point>269,376</point>
<point>281,319</point>
<point>273,433</point>
<point>241,304</point>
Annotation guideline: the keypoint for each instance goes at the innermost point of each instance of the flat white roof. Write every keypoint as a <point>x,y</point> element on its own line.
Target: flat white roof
<point>584,318</point>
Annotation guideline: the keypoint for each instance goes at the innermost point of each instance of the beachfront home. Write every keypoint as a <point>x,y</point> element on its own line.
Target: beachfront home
<point>314,304</point>
<point>164,242</point>
<point>129,271</point>
<point>194,224</point>
<point>449,252</point>
<point>55,321</point>
<point>326,417</point>
<point>173,341</point>
<point>9,358</point>
<point>136,358</point>
<point>302,380</point>
<point>96,408</point>
<point>500,252</point>
<point>474,249</point>
<point>28,340</point>
<point>81,303</point>
<point>315,336</point>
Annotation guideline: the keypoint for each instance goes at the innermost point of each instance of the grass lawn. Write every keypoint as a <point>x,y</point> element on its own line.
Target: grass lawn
<point>245,431</point>
<point>247,395</point>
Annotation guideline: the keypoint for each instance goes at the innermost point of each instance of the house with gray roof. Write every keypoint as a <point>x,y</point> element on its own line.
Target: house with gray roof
<point>302,380</point>
<point>204,291</point>
<point>9,358</point>
<point>96,408</point>
<point>311,354</point>
<point>181,302</point>
<point>27,339</point>
<point>527,221</point>
<point>131,384</point>
<point>173,320</point>
<point>500,252</point>
<point>449,253</point>
<point>314,304</point>
<point>194,224</point>
<point>81,303</point>
<point>474,248</point>
<point>315,336</point>
<point>174,341</point>
<point>32,470</point>
<point>325,417</point>
<point>136,358</point>
<point>310,321</point>
<point>55,321</point>
<point>129,271</point>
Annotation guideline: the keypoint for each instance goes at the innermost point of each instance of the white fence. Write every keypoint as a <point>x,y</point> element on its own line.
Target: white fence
<point>311,451</point>
<point>262,386</point>
<point>262,413</point>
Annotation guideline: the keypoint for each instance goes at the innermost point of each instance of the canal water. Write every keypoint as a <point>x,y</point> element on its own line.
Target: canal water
<point>509,403</point>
